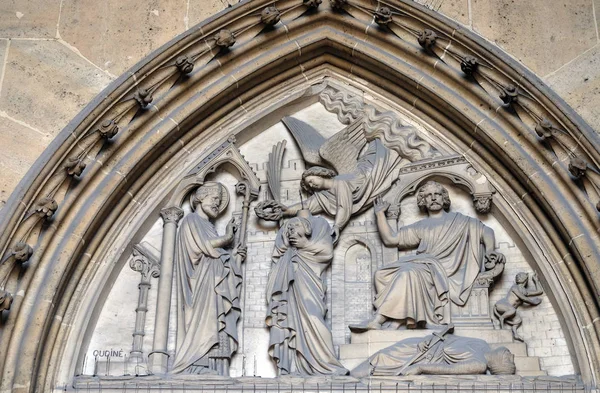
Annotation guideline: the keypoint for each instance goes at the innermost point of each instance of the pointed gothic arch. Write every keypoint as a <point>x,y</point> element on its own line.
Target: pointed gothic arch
<point>118,161</point>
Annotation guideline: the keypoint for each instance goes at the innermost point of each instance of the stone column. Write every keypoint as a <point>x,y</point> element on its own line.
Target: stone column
<point>159,356</point>
<point>148,268</point>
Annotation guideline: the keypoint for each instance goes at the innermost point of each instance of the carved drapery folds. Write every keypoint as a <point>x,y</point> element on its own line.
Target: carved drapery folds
<point>120,185</point>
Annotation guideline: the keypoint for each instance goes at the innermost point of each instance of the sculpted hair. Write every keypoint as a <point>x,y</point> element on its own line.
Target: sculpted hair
<point>521,278</point>
<point>203,191</point>
<point>315,171</point>
<point>501,362</point>
<point>421,195</point>
<point>305,225</point>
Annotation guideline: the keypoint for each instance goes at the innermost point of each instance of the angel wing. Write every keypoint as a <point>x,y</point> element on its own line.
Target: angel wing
<point>340,151</point>
<point>274,170</point>
<point>308,139</point>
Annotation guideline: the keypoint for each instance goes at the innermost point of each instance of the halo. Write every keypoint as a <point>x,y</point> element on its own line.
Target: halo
<point>224,195</point>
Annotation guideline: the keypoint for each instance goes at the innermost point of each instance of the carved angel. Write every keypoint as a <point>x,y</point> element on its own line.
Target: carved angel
<point>351,168</point>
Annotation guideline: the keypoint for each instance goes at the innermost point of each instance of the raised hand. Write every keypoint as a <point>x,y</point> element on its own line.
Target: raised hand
<point>380,205</point>
<point>242,251</point>
<point>232,227</point>
<point>335,234</point>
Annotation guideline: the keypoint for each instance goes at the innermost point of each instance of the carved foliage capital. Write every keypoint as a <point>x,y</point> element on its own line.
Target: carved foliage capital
<point>46,207</point>
<point>143,265</point>
<point>171,214</point>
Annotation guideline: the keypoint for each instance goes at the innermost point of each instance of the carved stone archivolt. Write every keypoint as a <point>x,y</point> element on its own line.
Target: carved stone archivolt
<point>154,136</point>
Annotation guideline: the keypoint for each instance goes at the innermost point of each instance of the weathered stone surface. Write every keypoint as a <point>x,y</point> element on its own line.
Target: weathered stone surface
<point>3,47</point>
<point>21,146</point>
<point>597,11</point>
<point>544,38</point>
<point>454,9</point>
<point>200,10</point>
<point>31,19</point>
<point>114,34</point>
<point>46,84</point>
<point>579,84</point>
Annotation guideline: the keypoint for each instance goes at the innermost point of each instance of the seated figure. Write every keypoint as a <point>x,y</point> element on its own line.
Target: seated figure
<point>438,354</point>
<point>416,290</point>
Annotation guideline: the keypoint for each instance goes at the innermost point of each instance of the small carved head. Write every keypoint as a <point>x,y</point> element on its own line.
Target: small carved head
<point>270,16</point>
<point>143,97</point>
<point>315,178</point>
<point>210,198</point>
<point>184,64</point>
<point>22,252</point>
<point>493,258</point>
<point>337,4</point>
<point>469,65</point>
<point>483,203</point>
<point>383,16</point>
<point>108,128</point>
<point>298,232</point>
<point>74,166</point>
<point>501,361</point>
<point>544,128</point>
<point>224,39</point>
<point>577,167</point>
<point>432,196</point>
<point>312,3</point>
<point>521,278</point>
<point>509,94</point>
<point>6,300</point>
<point>46,207</point>
<point>427,39</point>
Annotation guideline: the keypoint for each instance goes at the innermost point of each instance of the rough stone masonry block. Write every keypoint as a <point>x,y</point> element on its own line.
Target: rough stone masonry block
<point>454,9</point>
<point>21,146</point>
<point>543,37</point>
<point>116,34</point>
<point>46,84</point>
<point>579,85</point>
<point>28,18</point>
<point>199,10</point>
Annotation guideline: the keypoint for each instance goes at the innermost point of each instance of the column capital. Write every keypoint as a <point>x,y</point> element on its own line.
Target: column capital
<point>171,214</point>
<point>142,264</point>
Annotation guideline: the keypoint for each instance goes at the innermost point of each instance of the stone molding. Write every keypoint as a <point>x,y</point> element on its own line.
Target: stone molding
<point>214,76</point>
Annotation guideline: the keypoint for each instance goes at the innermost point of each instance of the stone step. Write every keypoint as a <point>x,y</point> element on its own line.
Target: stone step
<point>491,336</point>
<point>527,363</point>
<point>363,351</point>
<point>532,373</point>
